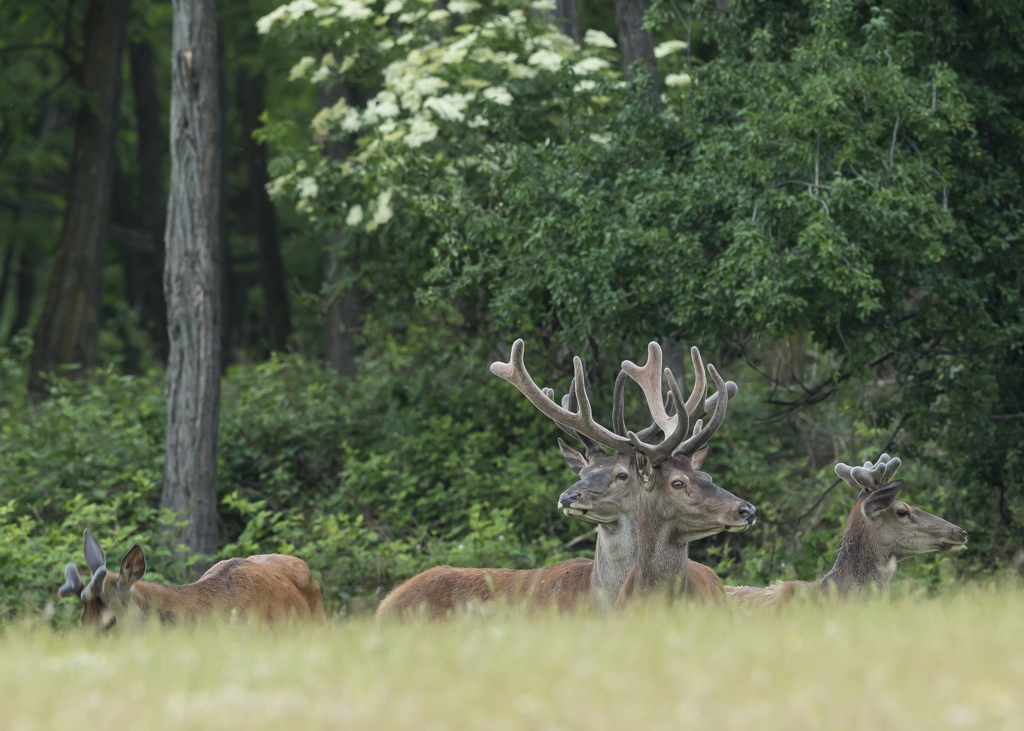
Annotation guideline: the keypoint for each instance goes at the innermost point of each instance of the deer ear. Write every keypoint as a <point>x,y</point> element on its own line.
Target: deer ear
<point>133,566</point>
<point>698,457</point>
<point>575,460</point>
<point>73,583</point>
<point>644,469</point>
<point>95,559</point>
<point>880,499</point>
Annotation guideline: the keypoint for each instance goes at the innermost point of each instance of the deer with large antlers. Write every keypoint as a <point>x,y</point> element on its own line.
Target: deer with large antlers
<point>678,503</point>
<point>270,588</point>
<point>880,531</point>
<point>609,484</point>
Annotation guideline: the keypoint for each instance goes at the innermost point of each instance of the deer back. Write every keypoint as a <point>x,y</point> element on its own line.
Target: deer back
<point>268,587</point>
<point>442,591</point>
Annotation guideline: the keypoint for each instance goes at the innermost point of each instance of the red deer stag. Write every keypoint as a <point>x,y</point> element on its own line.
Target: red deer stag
<point>879,532</point>
<point>269,587</point>
<point>678,503</point>
<point>568,585</point>
<point>607,494</point>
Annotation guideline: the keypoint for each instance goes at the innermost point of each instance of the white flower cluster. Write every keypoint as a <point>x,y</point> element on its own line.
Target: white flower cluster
<point>348,10</point>
<point>598,38</point>
<point>677,80</point>
<point>669,47</point>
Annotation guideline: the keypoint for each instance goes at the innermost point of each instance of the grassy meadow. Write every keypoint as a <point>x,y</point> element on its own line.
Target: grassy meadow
<point>949,662</point>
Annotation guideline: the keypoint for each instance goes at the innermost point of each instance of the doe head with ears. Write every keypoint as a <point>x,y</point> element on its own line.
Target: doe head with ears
<point>107,594</point>
<point>670,470</point>
<point>891,527</point>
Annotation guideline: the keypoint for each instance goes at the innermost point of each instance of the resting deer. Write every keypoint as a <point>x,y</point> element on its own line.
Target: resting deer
<point>678,503</point>
<point>567,585</point>
<point>269,587</point>
<point>879,532</point>
<point>607,494</point>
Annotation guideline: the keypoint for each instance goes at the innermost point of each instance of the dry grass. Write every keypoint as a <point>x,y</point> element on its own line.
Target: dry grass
<point>952,662</point>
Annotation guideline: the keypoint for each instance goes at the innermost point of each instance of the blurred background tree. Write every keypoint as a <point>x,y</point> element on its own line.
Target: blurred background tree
<point>825,196</point>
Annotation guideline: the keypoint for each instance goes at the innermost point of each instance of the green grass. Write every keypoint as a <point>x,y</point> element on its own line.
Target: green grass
<point>951,662</point>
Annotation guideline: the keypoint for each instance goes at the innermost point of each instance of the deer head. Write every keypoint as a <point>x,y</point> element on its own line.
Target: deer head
<point>607,489</point>
<point>680,495</point>
<point>889,528</point>
<point>107,595</point>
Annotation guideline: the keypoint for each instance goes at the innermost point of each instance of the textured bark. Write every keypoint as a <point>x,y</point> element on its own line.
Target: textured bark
<point>249,90</point>
<point>67,329</point>
<point>152,202</point>
<point>636,44</point>
<point>192,274</point>
<point>342,316</point>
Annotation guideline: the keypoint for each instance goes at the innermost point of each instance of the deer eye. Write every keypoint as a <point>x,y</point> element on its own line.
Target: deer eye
<point>623,476</point>
<point>677,484</point>
<point>902,512</point>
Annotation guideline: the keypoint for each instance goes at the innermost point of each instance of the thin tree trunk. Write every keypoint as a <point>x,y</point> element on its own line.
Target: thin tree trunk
<point>636,43</point>
<point>124,216</point>
<point>152,198</point>
<point>67,329</point>
<point>192,279</point>
<point>24,289</point>
<point>249,92</point>
<point>342,315</point>
<point>569,13</point>
<point>8,267</point>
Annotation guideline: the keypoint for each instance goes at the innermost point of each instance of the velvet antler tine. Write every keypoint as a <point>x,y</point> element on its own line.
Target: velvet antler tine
<point>695,404</point>
<point>890,469</point>
<point>698,440</point>
<point>618,406</point>
<point>583,423</point>
<point>660,452</point>
<point>649,379</point>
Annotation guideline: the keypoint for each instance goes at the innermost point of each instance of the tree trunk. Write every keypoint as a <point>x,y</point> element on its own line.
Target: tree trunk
<point>569,13</point>
<point>151,305</point>
<point>126,221</point>
<point>5,278</point>
<point>249,93</point>
<point>636,43</point>
<point>67,329</point>
<point>342,315</point>
<point>192,274</point>
<point>24,289</point>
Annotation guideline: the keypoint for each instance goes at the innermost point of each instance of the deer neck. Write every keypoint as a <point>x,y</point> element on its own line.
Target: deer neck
<point>169,603</point>
<point>662,552</point>
<point>861,563</point>
<point>613,557</point>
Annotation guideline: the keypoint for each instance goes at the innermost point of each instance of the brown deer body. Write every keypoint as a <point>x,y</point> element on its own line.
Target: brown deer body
<point>879,532</point>
<point>267,587</point>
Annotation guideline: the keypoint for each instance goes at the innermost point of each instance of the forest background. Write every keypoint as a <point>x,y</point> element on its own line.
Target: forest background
<point>825,196</point>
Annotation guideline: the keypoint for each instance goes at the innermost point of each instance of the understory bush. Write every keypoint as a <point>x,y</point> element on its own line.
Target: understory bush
<point>424,458</point>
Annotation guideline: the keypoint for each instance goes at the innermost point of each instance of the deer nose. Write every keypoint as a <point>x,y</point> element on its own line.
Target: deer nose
<point>568,498</point>
<point>963,534</point>
<point>746,511</point>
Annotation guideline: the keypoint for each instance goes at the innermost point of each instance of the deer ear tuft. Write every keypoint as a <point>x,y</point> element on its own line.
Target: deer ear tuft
<point>644,469</point>
<point>575,460</point>
<point>133,566</point>
<point>698,457</point>
<point>880,499</point>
